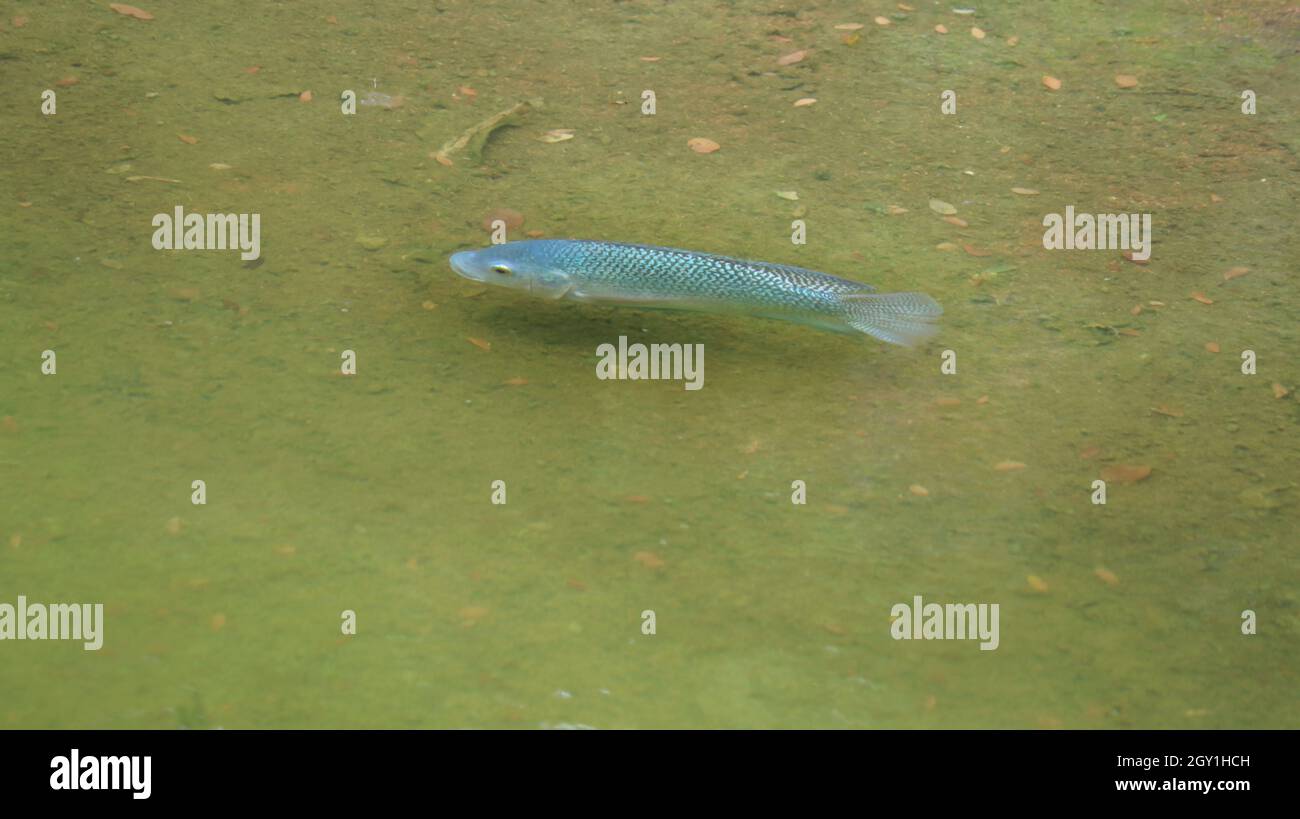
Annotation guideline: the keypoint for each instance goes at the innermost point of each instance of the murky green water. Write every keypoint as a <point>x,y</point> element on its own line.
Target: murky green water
<point>372,493</point>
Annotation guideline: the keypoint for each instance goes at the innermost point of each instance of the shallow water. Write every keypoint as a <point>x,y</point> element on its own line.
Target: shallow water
<point>372,493</point>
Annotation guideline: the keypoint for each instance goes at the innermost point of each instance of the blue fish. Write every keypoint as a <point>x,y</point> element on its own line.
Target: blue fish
<point>667,278</point>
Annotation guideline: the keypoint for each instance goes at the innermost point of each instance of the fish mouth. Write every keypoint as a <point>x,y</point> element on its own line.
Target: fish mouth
<point>461,263</point>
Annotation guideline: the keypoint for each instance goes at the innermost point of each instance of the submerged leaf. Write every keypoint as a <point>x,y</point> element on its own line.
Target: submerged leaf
<point>130,11</point>
<point>557,135</point>
<point>1125,473</point>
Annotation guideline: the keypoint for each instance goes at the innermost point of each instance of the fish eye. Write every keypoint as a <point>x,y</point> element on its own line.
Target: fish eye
<point>502,269</point>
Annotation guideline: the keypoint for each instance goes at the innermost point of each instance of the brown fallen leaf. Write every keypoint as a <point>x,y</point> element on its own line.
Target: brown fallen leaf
<point>1126,81</point>
<point>1211,347</point>
<point>1025,191</point>
<point>517,381</point>
<point>1169,411</point>
<point>1125,473</point>
<point>305,96</point>
<point>793,57</point>
<point>1136,311</point>
<point>956,220</point>
<point>1234,273</point>
<point>513,219</point>
<point>130,11</point>
<point>479,343</point>
<point>1009,466</point>
<point>1106,576</point>
<point>188,140</point>
<point>1202,298</point>
<point>1280,391</point>
<point>805,102</point>
<point>1089,452</point>
<point>977,33</point>
<point>976,251</point>
<point>649,559</point>
<point>941,29</point>
<point>1052,83</point>
<point>1037,583</point>
<point>67,82</point>
<point>701,145</point>
<point>919,491</point>
<point>883,21</point>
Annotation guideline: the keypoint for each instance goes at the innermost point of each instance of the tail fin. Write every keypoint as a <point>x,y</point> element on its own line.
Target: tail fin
<point>899,318</point>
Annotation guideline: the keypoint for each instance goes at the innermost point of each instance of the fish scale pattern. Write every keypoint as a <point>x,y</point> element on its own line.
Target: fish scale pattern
<point>651,272</point>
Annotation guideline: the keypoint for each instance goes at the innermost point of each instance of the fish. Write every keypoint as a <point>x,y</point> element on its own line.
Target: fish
<point>646,276</point>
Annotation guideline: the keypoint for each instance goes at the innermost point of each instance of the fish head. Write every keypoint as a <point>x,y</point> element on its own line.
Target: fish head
<point>522,266</point>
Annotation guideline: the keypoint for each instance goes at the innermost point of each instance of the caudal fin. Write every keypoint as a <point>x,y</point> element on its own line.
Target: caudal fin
<point>899,318</point>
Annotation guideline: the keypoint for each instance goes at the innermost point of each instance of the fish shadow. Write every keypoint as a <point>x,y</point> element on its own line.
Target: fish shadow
<point>585,327</point>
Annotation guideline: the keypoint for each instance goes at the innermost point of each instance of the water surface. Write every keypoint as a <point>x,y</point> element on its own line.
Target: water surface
<point>372,493</point>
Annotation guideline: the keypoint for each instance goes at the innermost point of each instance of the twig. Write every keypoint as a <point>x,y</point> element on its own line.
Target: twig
<point>475,138</point>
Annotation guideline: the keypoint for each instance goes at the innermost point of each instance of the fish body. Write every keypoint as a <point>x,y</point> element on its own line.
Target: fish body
<point>668,278</point>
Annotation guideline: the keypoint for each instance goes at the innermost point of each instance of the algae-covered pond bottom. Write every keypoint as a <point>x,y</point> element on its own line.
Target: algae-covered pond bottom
<point>474,530</point>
